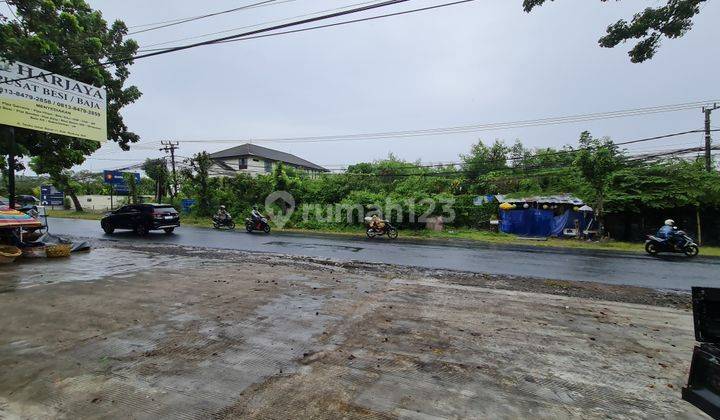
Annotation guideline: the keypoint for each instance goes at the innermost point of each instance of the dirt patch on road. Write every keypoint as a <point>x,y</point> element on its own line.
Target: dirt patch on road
<point>213,334</point>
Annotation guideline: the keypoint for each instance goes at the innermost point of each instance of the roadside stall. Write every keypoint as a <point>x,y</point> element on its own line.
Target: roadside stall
<point>13,226</point>
<point>544,216</point>
<point>21,235</point>
<point>22,223</point>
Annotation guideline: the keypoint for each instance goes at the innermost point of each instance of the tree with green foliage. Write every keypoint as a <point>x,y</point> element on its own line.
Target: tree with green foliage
<point>157,170</point>
<point>597,160</point>
<point>89,183</point>
<point>481,161</point>
<point>198,175</point>
<point>132,185</point>
<point>672,20</point>
<point>71,39</point>
<point>281,182</point>
<point>663,185</point>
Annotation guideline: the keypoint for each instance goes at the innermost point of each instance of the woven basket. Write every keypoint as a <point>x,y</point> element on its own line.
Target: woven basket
<point>9,253</point>
<point>58,250</point>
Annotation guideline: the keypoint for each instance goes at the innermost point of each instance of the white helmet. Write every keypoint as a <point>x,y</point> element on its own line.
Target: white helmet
<point>670,222</point>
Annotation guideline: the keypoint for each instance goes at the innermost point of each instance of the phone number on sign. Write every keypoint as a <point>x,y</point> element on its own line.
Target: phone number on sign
<point>11,92</point>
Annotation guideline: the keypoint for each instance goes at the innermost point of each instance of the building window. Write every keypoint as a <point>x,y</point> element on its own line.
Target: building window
<point>268,166</point>
<point>242,163</point>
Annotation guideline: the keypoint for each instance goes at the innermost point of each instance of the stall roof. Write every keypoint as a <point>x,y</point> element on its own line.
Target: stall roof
<point>14,219</point>
<point>549,199</point>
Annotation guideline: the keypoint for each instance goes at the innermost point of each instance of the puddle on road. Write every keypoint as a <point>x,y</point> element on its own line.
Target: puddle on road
<point>84,266</point>
<point>315,246</point>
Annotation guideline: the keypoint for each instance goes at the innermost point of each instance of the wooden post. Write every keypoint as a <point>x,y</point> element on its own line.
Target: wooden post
<point>699,230</point>
<point>11,167</point>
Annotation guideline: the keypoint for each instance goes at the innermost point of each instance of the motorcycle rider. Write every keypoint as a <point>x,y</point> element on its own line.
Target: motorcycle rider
<point>222,214</point>
<point>669,232</point>
<point>377,223</point>
<point>256,215</point>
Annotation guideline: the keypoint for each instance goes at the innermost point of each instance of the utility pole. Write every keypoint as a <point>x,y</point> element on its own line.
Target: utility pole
<point>708,161</point>
<point>708,140</point>
<point>170,146</point>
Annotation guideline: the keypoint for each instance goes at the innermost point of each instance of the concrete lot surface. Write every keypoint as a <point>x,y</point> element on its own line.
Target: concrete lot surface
<point>183,333</point>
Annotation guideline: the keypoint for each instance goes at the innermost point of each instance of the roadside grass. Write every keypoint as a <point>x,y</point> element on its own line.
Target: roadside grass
<point>71,214</point>
<point>450,234</point>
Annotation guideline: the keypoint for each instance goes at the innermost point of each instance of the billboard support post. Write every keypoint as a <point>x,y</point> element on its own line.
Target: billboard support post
<point>11,167</point>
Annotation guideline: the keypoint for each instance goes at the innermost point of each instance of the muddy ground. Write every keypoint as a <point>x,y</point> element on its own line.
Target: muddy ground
<point>170,332</point>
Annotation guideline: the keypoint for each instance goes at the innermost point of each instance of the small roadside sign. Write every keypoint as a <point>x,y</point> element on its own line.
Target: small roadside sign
<point>51,196</point>
<point>117,177</point>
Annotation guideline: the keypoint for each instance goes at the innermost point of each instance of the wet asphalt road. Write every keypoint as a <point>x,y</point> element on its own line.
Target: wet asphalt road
<point>672,272</point>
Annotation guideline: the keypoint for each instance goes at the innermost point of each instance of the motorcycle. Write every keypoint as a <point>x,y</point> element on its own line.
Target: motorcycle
<point>655,245</point>
<point>389,230</point>
<point>227,222</point>
<point>261,224</point>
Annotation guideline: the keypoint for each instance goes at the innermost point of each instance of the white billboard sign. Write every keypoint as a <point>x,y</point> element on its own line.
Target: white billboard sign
<point>36,99</point>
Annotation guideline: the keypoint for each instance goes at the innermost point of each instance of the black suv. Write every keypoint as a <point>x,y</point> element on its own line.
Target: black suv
<point>142,218</point>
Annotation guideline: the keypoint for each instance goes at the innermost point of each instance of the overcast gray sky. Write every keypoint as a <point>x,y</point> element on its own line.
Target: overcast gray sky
<point>481,62</point>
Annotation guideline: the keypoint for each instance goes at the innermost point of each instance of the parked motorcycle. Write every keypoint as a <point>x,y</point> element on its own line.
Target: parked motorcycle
<point>227,222</point>
<point>655,245</point>
<point>389,230</point>
<point>261,225</point>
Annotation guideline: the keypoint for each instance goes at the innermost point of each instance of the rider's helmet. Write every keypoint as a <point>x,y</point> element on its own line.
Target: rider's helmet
<point>669,222</point>
<point>222,207</point>
<point>254,207</point>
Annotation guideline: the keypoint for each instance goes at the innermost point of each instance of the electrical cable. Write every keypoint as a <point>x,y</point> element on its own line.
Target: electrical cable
<point>196,18</point>
<point>422,9</point>
<point>218,40</point>
<point>192,17</point>
<point>144,49</point>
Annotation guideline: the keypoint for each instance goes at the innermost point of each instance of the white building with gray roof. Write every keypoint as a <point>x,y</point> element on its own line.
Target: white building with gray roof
<point>254,160</point>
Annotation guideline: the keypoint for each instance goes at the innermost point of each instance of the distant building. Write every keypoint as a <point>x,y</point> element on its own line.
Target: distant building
<point>253,159</point>
<point>106,202</point>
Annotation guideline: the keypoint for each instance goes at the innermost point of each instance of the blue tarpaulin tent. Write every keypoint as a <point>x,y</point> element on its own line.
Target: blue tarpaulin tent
<point>567,220</point>
<point>536,216</point>
<point>527,222</point>
<point>540,223</point>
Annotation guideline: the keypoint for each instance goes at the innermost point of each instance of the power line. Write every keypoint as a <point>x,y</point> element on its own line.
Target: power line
<point>351,21</point>
<point>196,18</point>
<point>520,170</point>
<point>504,159</point>
<point>251,26</point>
<point>641,158</point>
<point>162,22</point>
<point>9,7</point>
<point>471,128</point>
<point>422,9</point>
<point>282,26</point>
<point>218,40</point>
